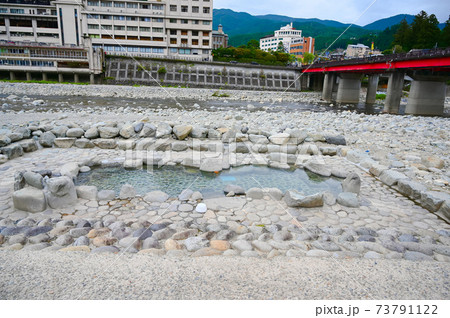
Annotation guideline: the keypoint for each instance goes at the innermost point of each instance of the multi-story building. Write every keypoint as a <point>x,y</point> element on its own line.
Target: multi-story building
<point>358,50</point>
<point>301,46</point>
<point>292,40</point>
<point>219,38</point>
<point>159,28</point>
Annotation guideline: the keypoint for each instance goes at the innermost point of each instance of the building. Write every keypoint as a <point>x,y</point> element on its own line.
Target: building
<point>292,39</point>
<point>219,38</point>
<point>180,29</point>
<point>301,46</point>
<point>357,51</point>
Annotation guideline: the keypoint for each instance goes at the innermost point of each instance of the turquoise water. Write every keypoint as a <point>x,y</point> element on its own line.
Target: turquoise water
<point>173,180</point>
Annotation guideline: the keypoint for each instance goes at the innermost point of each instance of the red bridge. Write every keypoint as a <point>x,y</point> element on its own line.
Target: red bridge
<point>430,69</point>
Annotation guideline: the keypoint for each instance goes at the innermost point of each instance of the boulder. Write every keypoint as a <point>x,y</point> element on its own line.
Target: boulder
<point>127,131</point>
<point>60,131</point>
<point>156,196</point>
<point>29,145</point>
<point>46,139</point>
<point>352,183</point>
<point>105,143</point>
<point>433,162</point>
<point>258,139</point>
<point>15,136</point>
<point>75,132</point>
<point>336,140</point>
<point>391,177</point>
<point>318,168</point>
<point>280,139</point>
<point>163,130</point>
<point>148,130</point>
<point>199,132</point>
<point>64,142</point>
<point>185,195</point>
<point>294,198</point>
<point>61,192</point>
<point>3,159</point>
<point>84,143</point>
<point>432,200</point>
<point>182,131</point>
<point>348,199</point>
<point>34,179</point>
<point>91,133</point>
<point>108,132</point>
<point>127,191</point>
<point>70,169</point>
<point>179,146</point>
<point>218,204</point>
<point>13,151</point>
<point>445,209</point>
<point>4,140</point>
<point>30,200</point>
<point>255,193</point>
<point>87,192</point>
<point>411,189</point>
<point>211,164</point>
<point>234,188</point>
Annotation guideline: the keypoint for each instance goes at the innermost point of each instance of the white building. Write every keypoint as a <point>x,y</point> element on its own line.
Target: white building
<point>357,51</point>
<point>159,28</point>
<point>287,35</point>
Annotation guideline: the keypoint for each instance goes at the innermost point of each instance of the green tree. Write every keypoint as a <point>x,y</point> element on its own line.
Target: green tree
<point>425,30</point>
<point>253,44</point>
<point>445,35</point>
<point>404,35</point>
<point>280,47</point>
<point>308,58</point>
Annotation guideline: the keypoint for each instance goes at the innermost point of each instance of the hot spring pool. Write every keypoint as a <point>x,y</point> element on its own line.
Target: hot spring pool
<point>175,179</point>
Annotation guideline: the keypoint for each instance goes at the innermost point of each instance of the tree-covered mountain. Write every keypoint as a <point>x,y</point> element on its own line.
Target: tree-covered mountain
<point>243,27</point>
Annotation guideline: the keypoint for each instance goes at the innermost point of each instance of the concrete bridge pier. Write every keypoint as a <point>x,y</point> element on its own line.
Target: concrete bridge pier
<point>76,78</point>
<point>12,76</point>
<point>349,88</point>
<point>60,78</point>
<point>44,77</point>
<point>28,74</point>
<point>372,88</point>
<point>427,97</point>
<point>92,78</point>
<point>328,84</point>
<point>394,92</point>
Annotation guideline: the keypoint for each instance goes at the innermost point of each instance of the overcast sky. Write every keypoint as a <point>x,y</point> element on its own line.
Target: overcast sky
<point>347,11</point>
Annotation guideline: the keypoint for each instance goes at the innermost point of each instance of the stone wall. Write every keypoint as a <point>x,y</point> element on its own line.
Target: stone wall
<point>211,75</point>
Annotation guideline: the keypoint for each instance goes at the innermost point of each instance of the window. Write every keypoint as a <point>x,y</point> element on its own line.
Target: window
<point>132,5</point>
<point>194,33</point>
<point>132,49</point>
<point>173,8</point>
<point>195,9</point>
<point>173,20</point>
<point>206,22</point>
<point>131,18</point>
<point>158,50</point>
<point>146,50</point>
<point>159,20</point>
<point>94,36</point>
<point>106,3</point>
<point>195,22</point>
<point>106,17</point>
<point>184,32</point>
<point>157,7</point>
<point>145,6</point>
<point>184,21</point>
<point>194,42</point>
<point>119,28</point>
<point>119,5</point>
<point>93,3</point>
<point>145,19</point>
<point>159,30</point>
<point>17,11</point>
<point>173,50</point>
<point>205,51</point>
<point>132,28</point>
<point>173,32</point>
<point>106,27</point>
<point>119,17</point>
<point>206,10</point>
<point>93,16</point>
<point>185,51</point>
<point>205,42</point>
<point>205,33</point>
<point>158,39</point>
<point>145,29</point>
<point>184,41</point>
<point>184,8</point>
<point>93,26</point>
<point>173,41</point>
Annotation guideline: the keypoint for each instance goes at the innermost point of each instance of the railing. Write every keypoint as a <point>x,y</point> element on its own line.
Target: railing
<point>412,55</point>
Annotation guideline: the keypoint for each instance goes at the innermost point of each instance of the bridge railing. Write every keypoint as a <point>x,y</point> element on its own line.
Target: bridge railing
<point>414,54</point>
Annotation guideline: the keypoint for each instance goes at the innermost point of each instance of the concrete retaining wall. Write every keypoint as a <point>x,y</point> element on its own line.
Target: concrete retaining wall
<point>211,75</point>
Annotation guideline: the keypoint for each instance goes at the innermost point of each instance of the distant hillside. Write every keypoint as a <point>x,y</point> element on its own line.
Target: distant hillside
<point>382,24</point>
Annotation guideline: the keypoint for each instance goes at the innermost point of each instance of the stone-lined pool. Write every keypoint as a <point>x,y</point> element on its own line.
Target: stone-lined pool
<point>175,179</point>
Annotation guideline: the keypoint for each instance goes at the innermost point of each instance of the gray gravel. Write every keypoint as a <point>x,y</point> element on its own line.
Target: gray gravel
<point>75,275</point>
